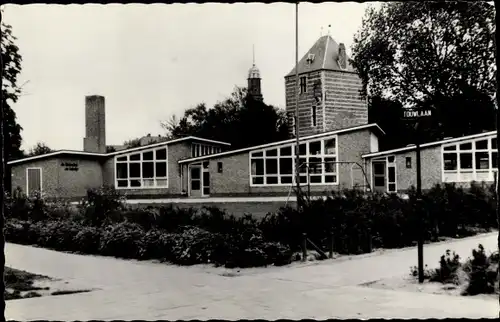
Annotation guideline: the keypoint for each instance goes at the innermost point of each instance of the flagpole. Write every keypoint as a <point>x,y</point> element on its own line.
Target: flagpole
<point>297,164</point>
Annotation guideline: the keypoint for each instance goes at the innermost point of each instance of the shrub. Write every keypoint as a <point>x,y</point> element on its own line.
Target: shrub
<point>101,205</point>
<point>18,231</point>
<point>57,235</point>
<point>87,240</point>
<point>483,273</point>
<point>448,268</point>
<point>121,240</point>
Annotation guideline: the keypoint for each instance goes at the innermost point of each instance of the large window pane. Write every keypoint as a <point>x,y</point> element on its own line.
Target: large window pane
<point>122,183</point>
<point>286,151</point>
<point>272,153</point>
<point>286,166</point>
<point>124,158</point>
<point>147,169</point>
<point>286,179</point>
<point>315,148</point>
<point>482,160</point>
<point>315,179</point>
<point>465,160</point>
<point>135,183</point>
<point>330,165</point>
<point>450,161</point>
<point>135,157</point>
<point>303,149</point>
<point>271,166</point>
<point>161,154</point>
<point>315,165</point>
<point>330,146</point>
<point>258,180</point>
<point>392,187</point>
<point>392,174</point>
<point>466,146</point>
<point>161,169</point>
<point>331,179</point>
<point>135,170</point>
<point>272,180</point>
<point>450,147</point>
<point>147,155</point>
<point>482,145</point>
<point>122,170</point>
<point>302,165</point>
<point>257,167</point>
<point>257,154</point>
<point>494,159</point>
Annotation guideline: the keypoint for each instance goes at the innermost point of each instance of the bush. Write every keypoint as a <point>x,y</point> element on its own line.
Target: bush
<point>58,235</point>
<point>101,206</point>
<point>448,269</point>
<point>87,240</point>
<point>121,240</point>
<point>483,273</point>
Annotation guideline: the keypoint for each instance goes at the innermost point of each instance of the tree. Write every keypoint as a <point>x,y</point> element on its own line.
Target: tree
<point>134,143</point>
<point>11,64</point>
<point>437,55</point>
<point>39,149</point>
<point>239,120</point>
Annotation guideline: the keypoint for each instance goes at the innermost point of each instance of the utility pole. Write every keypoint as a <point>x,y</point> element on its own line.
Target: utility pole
<point>297,164</point>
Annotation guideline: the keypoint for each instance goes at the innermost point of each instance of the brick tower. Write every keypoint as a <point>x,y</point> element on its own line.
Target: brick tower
<point>95,127</point>
<point>329,90</point>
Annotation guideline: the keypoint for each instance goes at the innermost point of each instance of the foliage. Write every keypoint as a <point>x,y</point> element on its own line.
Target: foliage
<point>121,240</point>
<point>11,66</point>
<point>100,205</point>
<point>39,149</point>
<point>437,55</point>
<point>448,269</point>
<point>231,120</point>
<point>483,273</point>
<point>134,143</point>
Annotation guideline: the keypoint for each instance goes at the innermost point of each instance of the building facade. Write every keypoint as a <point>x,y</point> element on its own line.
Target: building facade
<point>338,149</point>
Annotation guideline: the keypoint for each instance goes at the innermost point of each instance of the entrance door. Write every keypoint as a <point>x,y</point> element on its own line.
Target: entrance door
<point>206,180</point>
<point>33,181</point>
<point>379,176</point>
<point>195,181</point>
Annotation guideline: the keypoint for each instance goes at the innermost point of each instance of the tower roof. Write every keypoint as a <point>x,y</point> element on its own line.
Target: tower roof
<point>253,72</point>
<point>326,56</point>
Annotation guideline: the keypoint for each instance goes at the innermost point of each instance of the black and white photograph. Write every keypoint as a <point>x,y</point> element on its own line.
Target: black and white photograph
<point>286,160</point>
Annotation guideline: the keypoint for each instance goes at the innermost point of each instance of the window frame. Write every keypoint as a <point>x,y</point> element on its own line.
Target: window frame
<point>292,157</point>
<point>466,174</point>
<point>303,85</point>
<point>141,177</point>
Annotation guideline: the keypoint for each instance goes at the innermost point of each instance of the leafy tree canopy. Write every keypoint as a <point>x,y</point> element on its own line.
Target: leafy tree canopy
<point>39,149</point>
<point>11,64</point>
<point>436,55</point>
<point>239,120</point>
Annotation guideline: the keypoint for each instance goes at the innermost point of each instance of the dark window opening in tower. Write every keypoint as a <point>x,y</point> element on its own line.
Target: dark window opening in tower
<point>314,115</point>
<point>303,85</point>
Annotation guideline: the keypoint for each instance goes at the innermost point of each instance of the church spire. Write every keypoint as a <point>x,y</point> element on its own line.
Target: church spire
<point>254,79</point>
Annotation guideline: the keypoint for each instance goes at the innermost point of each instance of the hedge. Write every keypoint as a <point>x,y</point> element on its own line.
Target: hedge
<point>104,224</point>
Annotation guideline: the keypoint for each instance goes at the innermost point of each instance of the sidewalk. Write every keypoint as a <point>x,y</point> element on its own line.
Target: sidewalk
<point>147,290</point>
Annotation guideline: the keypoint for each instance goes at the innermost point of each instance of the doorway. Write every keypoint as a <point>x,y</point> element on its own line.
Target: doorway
<point>33,181</point>
<point>379,176</point>
<point>199,180</point>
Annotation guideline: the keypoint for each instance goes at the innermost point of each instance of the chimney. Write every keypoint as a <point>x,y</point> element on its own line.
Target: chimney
<point>342,58</point>
<point>95,126</point>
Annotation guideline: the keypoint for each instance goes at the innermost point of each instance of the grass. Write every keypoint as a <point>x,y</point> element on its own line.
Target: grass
<point>18,282</point>
<point>21,285</point>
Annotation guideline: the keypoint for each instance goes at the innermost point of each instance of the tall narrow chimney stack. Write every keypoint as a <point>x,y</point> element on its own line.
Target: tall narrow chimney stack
<point>95,125</point>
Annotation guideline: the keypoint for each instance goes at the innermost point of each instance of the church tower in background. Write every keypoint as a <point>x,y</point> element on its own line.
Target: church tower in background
<point>254,88</point>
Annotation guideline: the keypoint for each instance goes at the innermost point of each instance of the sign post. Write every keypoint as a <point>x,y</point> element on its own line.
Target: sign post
<point>415,115</point>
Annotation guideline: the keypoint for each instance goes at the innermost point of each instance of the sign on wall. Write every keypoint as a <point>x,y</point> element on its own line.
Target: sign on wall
<point>415,114</point>
<point>70,166</point>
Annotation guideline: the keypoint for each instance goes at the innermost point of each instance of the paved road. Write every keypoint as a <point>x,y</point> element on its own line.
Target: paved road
<point>328,289</point>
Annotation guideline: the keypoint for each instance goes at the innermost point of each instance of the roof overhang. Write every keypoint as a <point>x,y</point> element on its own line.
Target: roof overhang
<point>372,126</point>
<point>428,145</point>
<point>57,154</point>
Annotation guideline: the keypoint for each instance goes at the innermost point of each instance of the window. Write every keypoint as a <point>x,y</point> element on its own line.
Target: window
<point>408,162</point>
<point>219,167</point>
<point>276,166</point>
<point>313,116</point>
<point>391,174</point>
<point>198,150</point>
<point>303,85</point>
<point>470,160</point>
<point>146,169</point>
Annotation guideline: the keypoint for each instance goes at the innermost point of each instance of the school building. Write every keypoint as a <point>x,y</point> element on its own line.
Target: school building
<point>338,149</point>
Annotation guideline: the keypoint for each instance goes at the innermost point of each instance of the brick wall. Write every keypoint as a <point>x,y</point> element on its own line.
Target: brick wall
<point>58,182</point>
<point>95,126</point>
<point>344,107</point>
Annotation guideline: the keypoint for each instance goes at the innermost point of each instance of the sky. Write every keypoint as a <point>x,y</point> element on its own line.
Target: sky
<point>154,61</point>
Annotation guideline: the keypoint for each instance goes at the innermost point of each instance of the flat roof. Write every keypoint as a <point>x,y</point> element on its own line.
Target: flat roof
<point>83,153</point>
<point>350,129</point>
<point>430,144</point>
